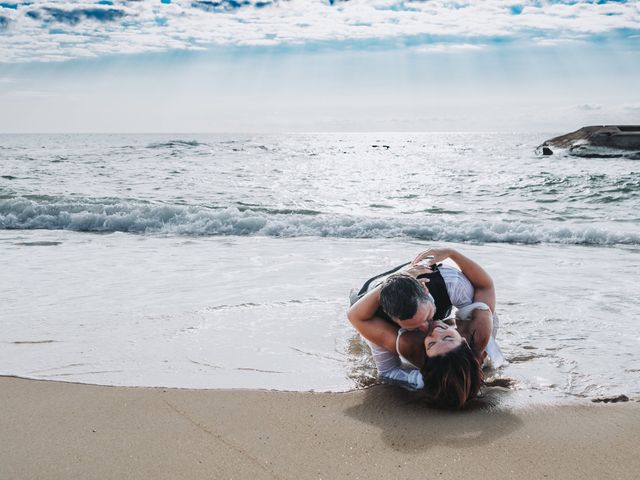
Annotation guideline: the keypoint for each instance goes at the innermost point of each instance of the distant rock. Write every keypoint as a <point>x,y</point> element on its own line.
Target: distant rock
<point>614,399</point>
<point>547,151</point>
<point>596,141</point>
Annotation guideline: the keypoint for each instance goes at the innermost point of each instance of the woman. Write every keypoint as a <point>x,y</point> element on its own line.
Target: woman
<point>403,316</point>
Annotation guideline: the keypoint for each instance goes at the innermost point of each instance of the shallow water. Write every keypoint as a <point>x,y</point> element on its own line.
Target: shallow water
<point>247,312</point>
<point>140,276</point>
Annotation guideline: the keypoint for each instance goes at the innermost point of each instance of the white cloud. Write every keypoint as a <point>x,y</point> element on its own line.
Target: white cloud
<point>633,108</point>
<point>60,30</point>
<point>448,47</point>
<point>38,94</point>
<point>587,107</point>
<point>554,42</point>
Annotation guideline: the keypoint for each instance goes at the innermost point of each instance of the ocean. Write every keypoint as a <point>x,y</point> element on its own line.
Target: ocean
<point>225,261</point>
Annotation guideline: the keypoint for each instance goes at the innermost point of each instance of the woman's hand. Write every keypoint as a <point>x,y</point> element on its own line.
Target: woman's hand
<point>433,256</point>
<point>416,270</point>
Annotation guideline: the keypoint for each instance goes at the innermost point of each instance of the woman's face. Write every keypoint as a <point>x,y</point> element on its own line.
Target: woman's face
<point>441,338</point>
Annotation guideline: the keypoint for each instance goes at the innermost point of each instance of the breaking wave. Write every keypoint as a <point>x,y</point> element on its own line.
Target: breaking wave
<point>132,216</point>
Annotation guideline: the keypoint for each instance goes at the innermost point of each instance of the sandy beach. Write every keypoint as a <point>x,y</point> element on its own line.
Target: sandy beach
<point>51,430</point>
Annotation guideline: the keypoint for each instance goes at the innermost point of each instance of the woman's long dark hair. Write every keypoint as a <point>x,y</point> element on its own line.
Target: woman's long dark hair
<point>452,379</point>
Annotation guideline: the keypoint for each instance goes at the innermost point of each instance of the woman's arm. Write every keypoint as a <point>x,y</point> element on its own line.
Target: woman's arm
<point>389,369</point>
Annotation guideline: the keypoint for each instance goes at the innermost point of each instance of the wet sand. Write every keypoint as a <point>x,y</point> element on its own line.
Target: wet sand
<point>51,430</point>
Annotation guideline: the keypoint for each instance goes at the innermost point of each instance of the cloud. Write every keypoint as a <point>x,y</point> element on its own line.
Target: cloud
<point>227,5</point>
<point>34,94</point>
<point>633,108</point>
<point>76,15</point>
<point>4,22</point>
<point>32,30</point>
<point>588,107</point>
<point>448,47</point>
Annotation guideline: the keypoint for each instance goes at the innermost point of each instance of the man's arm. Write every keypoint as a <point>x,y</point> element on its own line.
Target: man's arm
<point>479,278</point>
<point>362,316</point>
<point>383,337</point>
<point>484,291</point>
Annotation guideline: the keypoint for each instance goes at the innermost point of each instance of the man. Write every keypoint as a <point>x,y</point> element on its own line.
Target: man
<point>416,300</point>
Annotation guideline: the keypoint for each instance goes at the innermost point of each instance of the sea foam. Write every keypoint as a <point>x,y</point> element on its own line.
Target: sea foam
<point>130,216</point>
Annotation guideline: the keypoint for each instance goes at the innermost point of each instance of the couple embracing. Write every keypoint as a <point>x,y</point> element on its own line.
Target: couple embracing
<point>404,315</point>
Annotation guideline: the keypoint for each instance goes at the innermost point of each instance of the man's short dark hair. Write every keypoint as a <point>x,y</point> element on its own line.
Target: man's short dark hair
<point>400,296</point>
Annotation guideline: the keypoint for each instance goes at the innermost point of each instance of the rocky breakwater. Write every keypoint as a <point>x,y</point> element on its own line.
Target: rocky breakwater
<point>596,141</point>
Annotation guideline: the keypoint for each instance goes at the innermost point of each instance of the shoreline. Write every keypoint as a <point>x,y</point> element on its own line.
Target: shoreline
<point>66,430</point>
<point>496,393</point>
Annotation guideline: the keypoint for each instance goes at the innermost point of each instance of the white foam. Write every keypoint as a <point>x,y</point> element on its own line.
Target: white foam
<point>139,217</point>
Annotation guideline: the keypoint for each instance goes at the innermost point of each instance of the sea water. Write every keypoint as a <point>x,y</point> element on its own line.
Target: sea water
<point>225,261</point>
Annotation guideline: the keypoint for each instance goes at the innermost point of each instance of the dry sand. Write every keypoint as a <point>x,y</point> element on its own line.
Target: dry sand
<point>52,430</point>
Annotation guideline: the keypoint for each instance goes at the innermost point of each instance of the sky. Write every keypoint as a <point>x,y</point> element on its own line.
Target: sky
<point>175,66</point>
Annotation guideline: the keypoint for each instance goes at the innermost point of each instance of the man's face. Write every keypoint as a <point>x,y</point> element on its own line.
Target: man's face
<point>420,321</point>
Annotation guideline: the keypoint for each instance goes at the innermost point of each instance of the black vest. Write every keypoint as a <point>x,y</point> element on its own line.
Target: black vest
<point>437,289</point>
